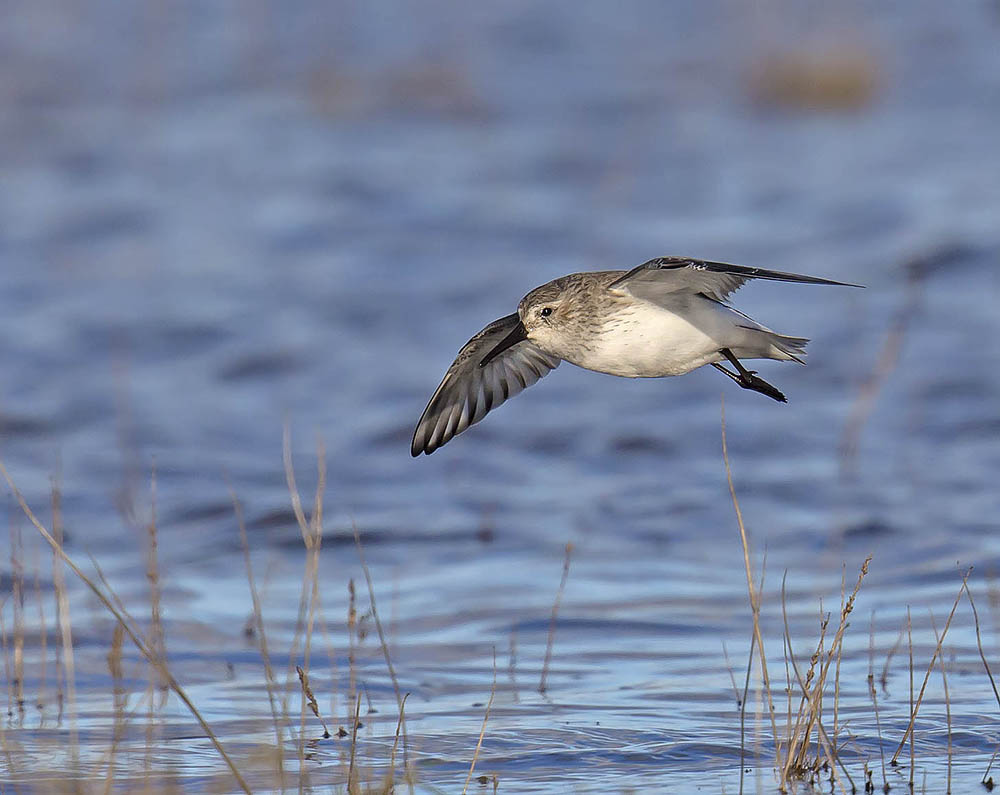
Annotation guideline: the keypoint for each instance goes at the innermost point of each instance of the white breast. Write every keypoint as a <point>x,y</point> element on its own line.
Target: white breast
<point>643,340</point>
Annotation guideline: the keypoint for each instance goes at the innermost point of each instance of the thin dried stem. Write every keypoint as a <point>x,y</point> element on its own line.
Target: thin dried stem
<point>312,538</point>
<point>542,686</point>
<point>871,692</point>
<point>55,541</point>
<point>482,731</point>
<point>743,709</point>
<point>979,641</point>
<point>133,635</point>
<point>310,699</point>
<point>258,617</point>
<point>381,637</point>
<point>8,754</point>
<point>732,675</point>
<point>987,782</point>
<point>390,775</point>
<point>884,678</point>
<point>809,714</point>
<point>352,785</point>
<point>752,591</point>
<point>927,676</point>
<point>947,702</point>
<point>118,677</point>
<point>913,712</point>
<point>884,366</point>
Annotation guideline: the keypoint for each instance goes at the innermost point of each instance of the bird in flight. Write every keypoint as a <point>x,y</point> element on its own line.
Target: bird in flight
<point>665,317</point>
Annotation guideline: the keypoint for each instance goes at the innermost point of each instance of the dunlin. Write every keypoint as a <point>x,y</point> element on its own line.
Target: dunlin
<point>664,317</point>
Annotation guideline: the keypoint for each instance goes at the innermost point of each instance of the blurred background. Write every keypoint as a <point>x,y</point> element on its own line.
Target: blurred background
<point>217,218</point>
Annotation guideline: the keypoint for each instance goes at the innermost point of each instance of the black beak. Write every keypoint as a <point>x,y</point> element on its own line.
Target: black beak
<point>518,334</point>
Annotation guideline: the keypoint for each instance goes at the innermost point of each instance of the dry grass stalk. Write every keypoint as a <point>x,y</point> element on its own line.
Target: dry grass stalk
<point>743,708</point>
<point>310,698</point>
<point>352,627</point>
<point>797,743</point>
<point>7,752</point>
<point>157,634</point>
<point>886,363</point>
<point>155,638</point>
<point>55,540</point>
<point>486,716</point>
<point>7,663</point>
<point>874,698</point>
<point>17,609</point>
<point>552,620</point>
<point>836,673</point>
<point>979,640</point>
<point>133,633</point>
<point>808,721</point>
<point>793,755</point>
<point>312,538</point>
<point>987,779</point>
<point>352,784</point>
<point>751,589</point>
<point>789,652</point>
<point>258,619</point>
<point>389,783</point>
<point>109,590</point>
<point>732,674</point>
<point>43,652</point>
<point>117,672</point>
<point>382,641</point>
<point>512,664</point>
<point>937,650</point>
<point>913,712</point>
<point>309,604</point>
<point>947,703</point>
<point>884,678</point>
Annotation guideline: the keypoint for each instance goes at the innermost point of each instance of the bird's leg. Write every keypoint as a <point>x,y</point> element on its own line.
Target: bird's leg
<point>735,376</point>
<point>748,379</point>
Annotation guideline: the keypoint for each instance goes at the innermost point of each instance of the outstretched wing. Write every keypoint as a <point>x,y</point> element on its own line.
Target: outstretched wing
<point>717,280</point>
<point>469,390</point>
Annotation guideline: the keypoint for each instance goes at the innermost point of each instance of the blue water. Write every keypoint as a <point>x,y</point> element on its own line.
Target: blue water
<point>216,221</point>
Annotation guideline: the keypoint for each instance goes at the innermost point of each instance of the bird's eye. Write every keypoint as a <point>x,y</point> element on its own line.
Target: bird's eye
<point>546,311</point>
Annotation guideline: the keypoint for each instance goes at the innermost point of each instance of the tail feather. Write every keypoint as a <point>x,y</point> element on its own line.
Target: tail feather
<point>767,344</point>
<point>793,347</point>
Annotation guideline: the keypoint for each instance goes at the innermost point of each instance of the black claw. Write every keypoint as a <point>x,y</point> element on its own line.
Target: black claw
<point>748,378</point>
<point>760,385</point>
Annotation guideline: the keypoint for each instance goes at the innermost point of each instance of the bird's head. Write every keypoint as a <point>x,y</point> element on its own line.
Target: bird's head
<point>544,313</point>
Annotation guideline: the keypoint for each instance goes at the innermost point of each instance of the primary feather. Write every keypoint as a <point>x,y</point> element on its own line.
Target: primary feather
<point>469,391</point>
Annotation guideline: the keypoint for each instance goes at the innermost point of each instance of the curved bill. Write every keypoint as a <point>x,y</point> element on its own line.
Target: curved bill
<point>518,334</point>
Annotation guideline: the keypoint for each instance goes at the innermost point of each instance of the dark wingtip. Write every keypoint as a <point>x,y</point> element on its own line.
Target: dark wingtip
<point>415,448</point>
<point>827,282</point>
<point>416,451</point>
<point>834,283</point>
<point>423,446</point>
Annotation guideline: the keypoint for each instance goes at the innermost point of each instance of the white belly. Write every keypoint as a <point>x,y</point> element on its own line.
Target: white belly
<point>647,341</point>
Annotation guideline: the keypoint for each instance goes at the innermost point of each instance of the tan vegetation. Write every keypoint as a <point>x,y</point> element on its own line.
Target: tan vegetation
<point>807,742</point>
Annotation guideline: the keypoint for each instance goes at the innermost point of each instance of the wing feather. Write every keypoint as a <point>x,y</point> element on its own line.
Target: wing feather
<point>468,392</point>
<point>717,280</point>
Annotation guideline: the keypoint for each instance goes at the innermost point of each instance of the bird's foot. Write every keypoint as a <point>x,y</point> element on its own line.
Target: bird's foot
<point>751,381</point>
<point>748,379</point>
